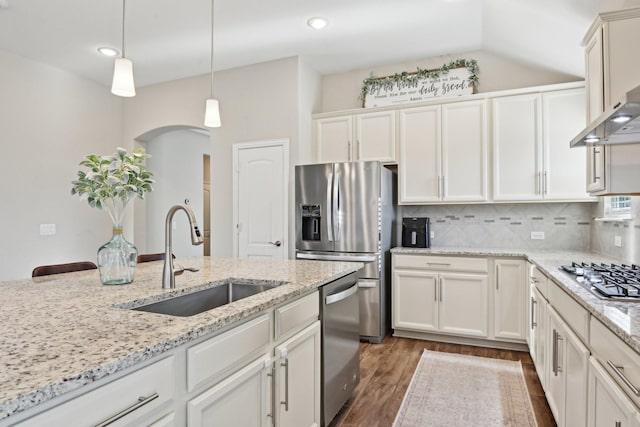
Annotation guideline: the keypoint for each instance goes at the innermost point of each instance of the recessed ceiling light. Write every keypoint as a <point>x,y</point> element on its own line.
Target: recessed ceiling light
<point>317,23</point>
<point>621,119</point>
<point>107,51</point>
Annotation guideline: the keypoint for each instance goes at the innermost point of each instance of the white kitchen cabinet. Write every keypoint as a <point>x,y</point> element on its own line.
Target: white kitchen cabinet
<point>134,399</point>
<point>440,294</point>
<point>415,300</point>
<point>298,379</point>
<point>532,158</point>
<point>241,399</point>
<point>567,382</point>
<point>509,299</point>
<point>443,153</point>
<point>608,405</point>
<point>540,340</point>
<point>611,65</point>
<point>359,137</point>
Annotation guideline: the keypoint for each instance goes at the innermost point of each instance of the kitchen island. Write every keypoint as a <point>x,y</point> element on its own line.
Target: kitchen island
<point>64,332</point>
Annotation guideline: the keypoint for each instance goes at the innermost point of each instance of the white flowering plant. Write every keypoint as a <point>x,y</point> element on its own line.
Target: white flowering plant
<point>113,181</point>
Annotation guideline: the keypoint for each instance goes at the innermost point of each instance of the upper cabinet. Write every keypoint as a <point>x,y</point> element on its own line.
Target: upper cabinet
<point>611,66</point>
<point>531,155</point>
<point>359,137</point>
<point>443,153</point>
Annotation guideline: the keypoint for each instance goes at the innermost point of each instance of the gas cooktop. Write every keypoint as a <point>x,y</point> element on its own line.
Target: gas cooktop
<point>612,281</point>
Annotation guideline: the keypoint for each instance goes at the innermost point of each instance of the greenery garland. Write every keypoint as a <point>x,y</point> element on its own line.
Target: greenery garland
<point>373,83</point>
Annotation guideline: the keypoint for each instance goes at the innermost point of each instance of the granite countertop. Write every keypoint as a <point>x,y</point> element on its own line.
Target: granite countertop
<point>64,331</point>
<point>621,317</point>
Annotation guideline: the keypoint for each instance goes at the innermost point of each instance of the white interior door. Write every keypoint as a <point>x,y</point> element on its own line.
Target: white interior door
<point>261,187</point>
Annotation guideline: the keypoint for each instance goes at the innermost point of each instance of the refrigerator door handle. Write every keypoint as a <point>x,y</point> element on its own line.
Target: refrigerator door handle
<point>328,257</point>
<point>329,209</point>
<point>337,209</point>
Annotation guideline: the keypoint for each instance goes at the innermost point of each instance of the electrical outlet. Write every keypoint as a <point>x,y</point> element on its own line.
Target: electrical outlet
<point>432,235</point>
<point>617,240</point>
<point>47,229</point>
<point>537,235</point>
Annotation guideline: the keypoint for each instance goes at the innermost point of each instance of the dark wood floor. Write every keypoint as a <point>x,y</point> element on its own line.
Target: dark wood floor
<point>386,371</point>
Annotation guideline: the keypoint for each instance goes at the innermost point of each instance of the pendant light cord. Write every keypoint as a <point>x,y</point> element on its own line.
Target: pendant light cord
<point>123,8</point>
<point>212,8</point>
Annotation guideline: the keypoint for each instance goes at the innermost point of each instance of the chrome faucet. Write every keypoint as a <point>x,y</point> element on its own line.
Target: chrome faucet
<point>169,271</point>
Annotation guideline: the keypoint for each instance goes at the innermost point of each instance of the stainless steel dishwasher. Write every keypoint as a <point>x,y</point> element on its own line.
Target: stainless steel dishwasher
<point>339,312</point>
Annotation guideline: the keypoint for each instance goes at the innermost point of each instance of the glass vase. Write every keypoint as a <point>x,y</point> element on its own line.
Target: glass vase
<point>117,259</point>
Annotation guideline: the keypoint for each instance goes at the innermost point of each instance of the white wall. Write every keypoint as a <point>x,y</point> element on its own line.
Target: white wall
<point>257,102</point>
<point>341,91</point>
<point>50,119</point>
<point>176,161</point>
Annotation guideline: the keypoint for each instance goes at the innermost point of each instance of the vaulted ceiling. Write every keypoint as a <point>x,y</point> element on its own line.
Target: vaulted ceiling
<point>169,40</point>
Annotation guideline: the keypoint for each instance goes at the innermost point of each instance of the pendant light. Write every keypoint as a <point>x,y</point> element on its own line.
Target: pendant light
<point>123,84</point>
<point>212,112</point>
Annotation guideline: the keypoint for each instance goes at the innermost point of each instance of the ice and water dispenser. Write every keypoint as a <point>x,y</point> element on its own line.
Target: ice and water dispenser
<point>311,219</point>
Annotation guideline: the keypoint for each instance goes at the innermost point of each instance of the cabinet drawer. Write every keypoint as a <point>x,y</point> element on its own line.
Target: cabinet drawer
<point>296,315</point>
<point>218,356</point>
<point>576,316</point>
<point>539,280</point>
<point>441,263</point>
<point>115,398</point>
<point>609,350</point>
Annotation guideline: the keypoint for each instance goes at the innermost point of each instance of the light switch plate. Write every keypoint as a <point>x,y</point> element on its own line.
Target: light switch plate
<point>617,240</point>
<point>537,235</point>
<point>432,235</point>
<point>47,229</point>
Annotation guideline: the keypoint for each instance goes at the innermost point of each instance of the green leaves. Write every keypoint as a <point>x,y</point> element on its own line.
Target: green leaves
<point>112,181</point>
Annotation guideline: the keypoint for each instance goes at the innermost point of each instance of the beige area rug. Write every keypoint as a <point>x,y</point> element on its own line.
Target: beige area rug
<point>456,390</point>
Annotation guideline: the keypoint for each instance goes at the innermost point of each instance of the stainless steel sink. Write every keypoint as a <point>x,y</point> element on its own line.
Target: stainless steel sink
<point>208,299</point>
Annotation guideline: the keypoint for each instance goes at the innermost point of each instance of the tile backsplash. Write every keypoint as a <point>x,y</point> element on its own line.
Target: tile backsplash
<point>566,226</point>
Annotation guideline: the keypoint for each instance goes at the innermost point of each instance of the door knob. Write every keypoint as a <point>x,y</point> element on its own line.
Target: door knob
<point>276,243</point>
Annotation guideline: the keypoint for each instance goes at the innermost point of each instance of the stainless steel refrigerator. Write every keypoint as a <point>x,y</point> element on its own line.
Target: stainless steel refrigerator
<point>345,212</point>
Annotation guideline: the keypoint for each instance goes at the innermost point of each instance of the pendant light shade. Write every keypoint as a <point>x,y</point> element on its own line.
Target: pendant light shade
<point>212,112</point>
<point>123,84</point>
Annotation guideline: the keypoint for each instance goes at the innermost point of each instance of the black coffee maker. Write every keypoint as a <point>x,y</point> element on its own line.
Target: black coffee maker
<point>415,232</point>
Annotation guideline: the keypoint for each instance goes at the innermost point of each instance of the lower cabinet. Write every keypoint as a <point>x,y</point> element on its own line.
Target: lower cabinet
<point>509,302</point>
<point>241,399</point>
<point>437,301</point>
<point>540,326</point>
<point>608,405</point>
<point>297,385</point>
<point>567,373</point>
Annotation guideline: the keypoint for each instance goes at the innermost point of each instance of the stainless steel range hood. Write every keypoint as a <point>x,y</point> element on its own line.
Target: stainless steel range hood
<point>617,125</point>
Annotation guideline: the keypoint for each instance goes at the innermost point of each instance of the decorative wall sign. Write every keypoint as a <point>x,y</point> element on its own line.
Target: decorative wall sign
<point>456,78</point>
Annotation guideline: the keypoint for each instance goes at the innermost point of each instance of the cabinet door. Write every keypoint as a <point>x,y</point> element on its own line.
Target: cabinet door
<point>555,385</point>
<point>542,358</point>
<point>463,304</point>
<point>240,400</point>
<point>298,380</point>
<point>517,148</point>
<point>464,151</point>
<point>509,300</point>
<point>414,300</point>
<point>621,61</point>
<point>419,165</point>
<point>564,167</point>
<point>376,137</point>
<point>594,79</point>
<point>608,405</point>
<point>576,367</point>
<point>333,139</point>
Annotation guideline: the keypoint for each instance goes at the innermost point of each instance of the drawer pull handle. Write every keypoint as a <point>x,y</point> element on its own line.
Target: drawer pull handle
<point>444,264</point>
<point>625,380</point>
<point>139,404</point>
